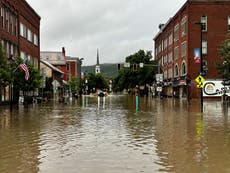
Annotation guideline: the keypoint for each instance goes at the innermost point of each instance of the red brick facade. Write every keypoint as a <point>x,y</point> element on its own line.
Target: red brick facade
<point>175,43</point>
<point>19,35</point>
<point>20,30</point>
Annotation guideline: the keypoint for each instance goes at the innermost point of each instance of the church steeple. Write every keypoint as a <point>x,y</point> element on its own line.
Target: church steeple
<point>97,68</point>
<point>97,58</point>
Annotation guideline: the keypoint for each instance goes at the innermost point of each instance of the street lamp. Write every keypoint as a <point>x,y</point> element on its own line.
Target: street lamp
<point>201,61</point>
<point>80,75</point>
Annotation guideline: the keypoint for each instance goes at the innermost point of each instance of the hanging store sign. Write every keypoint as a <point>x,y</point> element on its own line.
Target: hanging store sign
<point>215,89</point>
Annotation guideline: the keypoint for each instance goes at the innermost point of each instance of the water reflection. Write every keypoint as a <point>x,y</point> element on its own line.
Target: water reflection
<point>103,135</point>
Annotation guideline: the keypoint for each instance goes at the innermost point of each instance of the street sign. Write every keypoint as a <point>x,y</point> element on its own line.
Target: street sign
<point>141,65</point>
<point>200,80</point>
<point>159,77</point>
<point>127,64</point>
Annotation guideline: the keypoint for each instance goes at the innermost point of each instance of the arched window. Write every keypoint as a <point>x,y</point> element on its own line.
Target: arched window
<point>183,69</point>
<point>176,70</point>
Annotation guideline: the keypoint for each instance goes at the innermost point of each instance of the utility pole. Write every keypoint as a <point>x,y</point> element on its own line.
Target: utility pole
<point>201,62</point>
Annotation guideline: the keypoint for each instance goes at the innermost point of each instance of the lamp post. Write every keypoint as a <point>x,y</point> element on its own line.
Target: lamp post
<point>201,62</point>
<point>80,76</point>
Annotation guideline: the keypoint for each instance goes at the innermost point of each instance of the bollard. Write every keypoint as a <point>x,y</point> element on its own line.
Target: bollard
<point>137,103</point>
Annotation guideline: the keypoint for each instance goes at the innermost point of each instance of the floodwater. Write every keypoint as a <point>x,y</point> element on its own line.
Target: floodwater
<point>113,135</point>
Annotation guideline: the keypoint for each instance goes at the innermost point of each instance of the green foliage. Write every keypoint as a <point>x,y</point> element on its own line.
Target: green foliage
<point>223,66</point>
<point>130,77</point>
<point>95,82</point>
<point>140,57</point>
<point>4,69</point>
<point>26,85</point>
<point>73,84</point>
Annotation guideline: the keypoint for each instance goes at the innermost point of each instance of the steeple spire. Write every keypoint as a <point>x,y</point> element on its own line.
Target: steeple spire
<point>97,68</point>
<point>97,57</point>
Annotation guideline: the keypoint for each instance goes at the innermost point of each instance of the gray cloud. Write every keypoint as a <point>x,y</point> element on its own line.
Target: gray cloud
<point>118,28</point>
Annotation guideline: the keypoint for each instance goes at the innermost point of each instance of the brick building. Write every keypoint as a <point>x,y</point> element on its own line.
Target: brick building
<point>68,66</point>
<point>19,34</point>
<point>20,30</point>
<point>177,39</point>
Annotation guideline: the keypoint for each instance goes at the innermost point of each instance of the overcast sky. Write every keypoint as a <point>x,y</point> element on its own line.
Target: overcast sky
<point>118,28</point>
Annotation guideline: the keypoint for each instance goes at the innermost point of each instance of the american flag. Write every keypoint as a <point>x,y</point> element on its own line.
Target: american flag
<point>25,68</point>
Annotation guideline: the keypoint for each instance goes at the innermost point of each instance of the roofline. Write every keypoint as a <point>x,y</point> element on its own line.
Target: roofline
<point>171,18</point>
<point>51,66</point>
<point>32,9</point>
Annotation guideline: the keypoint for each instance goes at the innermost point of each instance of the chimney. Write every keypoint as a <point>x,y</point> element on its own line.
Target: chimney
<point>63,51</point>
<point>161,26</point>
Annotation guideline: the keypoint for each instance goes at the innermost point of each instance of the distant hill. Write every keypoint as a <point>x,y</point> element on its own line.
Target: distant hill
<point>108,70</point>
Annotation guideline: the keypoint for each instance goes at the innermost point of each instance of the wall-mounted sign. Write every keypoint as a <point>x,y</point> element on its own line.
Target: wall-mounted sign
<point>215,89</point>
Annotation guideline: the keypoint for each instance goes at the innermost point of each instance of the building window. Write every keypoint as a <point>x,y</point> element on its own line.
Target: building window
<point>170,73</point>
<point>204,21</point>
<point>22,30</point>
<point>165,74</point>
<point>162,45</point>
<point>183,26</point>
<point>165,59</point>
<point>22,55</point>
<point>165,43</point>
<point>183,49</point>
<point>183,69</point>
<point>170,57</point>
<point>35,39</point>
<point>176,53</point>
<point>7,21</point>
<point>36,63</point>
<point>29,35</point>
<point>204,47</point>
<point>176,32</point>
<point>176,71</point>
<point>170,39</point>
<point>228,23</point>
<point>3,16</point>
<point>12,49</point>
<point>29,58</point>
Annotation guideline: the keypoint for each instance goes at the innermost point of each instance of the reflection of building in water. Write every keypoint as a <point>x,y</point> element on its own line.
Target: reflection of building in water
<point>188,141</point>
<point>19,141</point>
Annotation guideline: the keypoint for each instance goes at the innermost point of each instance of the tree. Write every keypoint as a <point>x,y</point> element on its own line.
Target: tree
<point>223,66</point>
<point>130,77</point>
<point>95,82</point>
<point>19,81</point>
<point>4,69</point>
<point>11,74</point>
<point>73,84</point>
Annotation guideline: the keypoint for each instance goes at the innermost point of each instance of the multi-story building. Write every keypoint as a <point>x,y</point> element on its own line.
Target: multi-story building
<point>19,34</point>
<point>181,35</point>
<point>73,67</point>
<point>20,30</point>
<point>59,62</point>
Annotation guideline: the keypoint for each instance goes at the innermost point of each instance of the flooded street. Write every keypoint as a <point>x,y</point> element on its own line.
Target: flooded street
<point>112,135</point>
